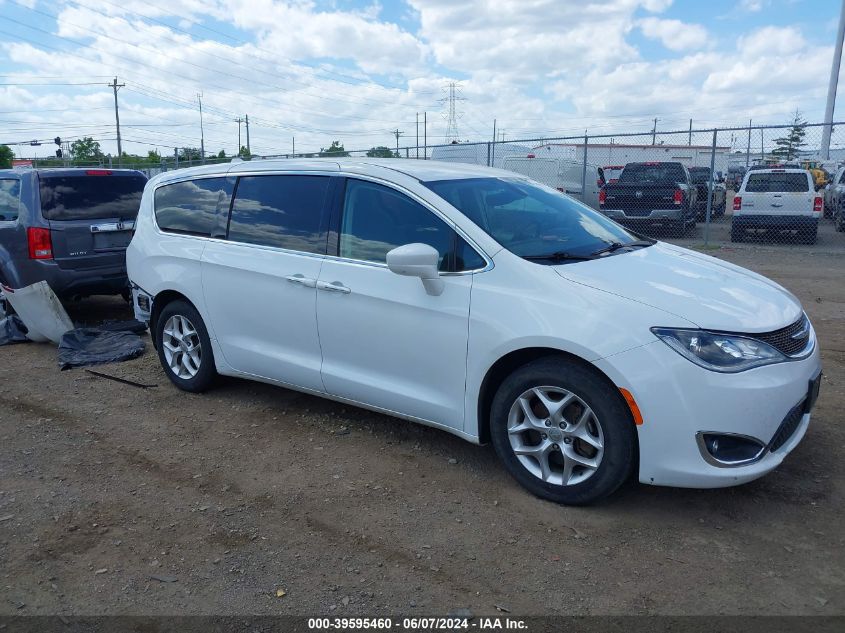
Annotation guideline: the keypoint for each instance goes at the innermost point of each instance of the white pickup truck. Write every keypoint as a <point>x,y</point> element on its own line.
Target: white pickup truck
<point>779,202</point>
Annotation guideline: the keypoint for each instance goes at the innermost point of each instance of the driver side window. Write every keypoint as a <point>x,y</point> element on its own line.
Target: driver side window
<point>377,219</point>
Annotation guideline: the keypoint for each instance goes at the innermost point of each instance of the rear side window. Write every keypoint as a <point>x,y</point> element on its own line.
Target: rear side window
<point>91,197</point>
<point>10,199</point>
<point>781,182</point>
<point>281,211</point>
<point>660,172</point>
<point>190,207</point>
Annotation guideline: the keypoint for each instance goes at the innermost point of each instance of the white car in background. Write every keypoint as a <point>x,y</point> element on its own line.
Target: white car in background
<point>779,201</point>
<point>481,303</point>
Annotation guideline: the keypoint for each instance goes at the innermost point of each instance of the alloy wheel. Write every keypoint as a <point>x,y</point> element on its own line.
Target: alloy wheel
<point>555,435</point>
<point>182,347</point>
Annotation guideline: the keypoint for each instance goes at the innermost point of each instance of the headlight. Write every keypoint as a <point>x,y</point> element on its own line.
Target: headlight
<point>728,353</point>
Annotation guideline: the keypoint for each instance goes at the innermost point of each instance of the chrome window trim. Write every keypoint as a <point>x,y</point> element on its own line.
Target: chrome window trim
<point>382,181</point>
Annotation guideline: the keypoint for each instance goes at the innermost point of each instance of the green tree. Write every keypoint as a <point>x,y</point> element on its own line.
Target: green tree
<point>221,153</point>
<point>6,156</point>
<point>245,153</point>
<point>85,149</point>
<point>381,152</point>
<point>190,153</point>
<point>153,157</point>
<point>336,150</point>
<point>788,147</point>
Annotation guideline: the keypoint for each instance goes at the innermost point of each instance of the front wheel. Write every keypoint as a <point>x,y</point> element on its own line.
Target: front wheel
<point>563,432</point>
<point>839,221</point>
<point>184,348</point>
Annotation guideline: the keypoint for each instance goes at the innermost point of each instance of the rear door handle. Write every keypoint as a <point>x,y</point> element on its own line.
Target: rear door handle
<point>334,286</point>
<point>302,280</point>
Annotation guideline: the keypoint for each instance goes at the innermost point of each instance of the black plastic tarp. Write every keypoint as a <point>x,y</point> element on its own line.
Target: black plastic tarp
<point>12,330</point>
<point>94,346</point>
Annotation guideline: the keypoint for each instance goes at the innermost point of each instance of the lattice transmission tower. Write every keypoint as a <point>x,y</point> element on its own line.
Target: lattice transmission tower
<point>451,114</point>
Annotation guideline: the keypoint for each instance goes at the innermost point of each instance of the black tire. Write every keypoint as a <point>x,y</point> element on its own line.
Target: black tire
<point>206,372</point>
<point>611,415</point>
<point>839,221</point>
<point>737,234</point>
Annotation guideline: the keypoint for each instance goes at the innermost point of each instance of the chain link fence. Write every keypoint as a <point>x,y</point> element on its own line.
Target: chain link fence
<point>743,187</point>
<point>758,186</point>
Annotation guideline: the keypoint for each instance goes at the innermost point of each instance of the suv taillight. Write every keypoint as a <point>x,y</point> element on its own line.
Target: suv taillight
<point>40,243</point>
<point>602,196</point>
<point>679,197</point>
<point>818,204</point>
<point>737,203</point>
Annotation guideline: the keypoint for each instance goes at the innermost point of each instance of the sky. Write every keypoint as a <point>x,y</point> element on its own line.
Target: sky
<point>308,72</point>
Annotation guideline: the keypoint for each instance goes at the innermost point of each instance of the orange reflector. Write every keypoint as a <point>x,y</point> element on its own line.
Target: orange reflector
<point>632,405</point>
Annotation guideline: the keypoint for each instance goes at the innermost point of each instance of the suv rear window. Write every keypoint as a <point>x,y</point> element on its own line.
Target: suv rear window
<point>660,172</point>
<point>10,197</point>
<point>91,197</point>
<point>768,182</point>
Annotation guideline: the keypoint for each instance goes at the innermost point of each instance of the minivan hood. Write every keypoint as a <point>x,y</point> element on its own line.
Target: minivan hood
<point>711,293</point>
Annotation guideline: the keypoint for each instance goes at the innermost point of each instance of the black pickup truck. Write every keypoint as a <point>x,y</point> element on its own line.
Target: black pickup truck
<point>652,195</point>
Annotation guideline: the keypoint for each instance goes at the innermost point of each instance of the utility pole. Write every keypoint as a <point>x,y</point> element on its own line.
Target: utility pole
<point>248,150</point>
<point>176,156</point>
<point>239,121</point>
<point>654,132</point>
<point>690,133</point>
<point>748,149</point>
<point>293,145</point>
<point>397,134</point>
<point>834,80</point>
<point>202,132</point>
<point>114,85</point>
<point>425,135</point>
<point>493,147</point>
<point>418,135</point>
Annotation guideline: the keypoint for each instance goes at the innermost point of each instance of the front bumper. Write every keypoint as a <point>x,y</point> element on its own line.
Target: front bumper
<point>679,400</point>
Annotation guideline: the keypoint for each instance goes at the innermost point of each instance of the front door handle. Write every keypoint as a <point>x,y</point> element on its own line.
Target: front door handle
<point>302,280</point>
<point>334,286</point>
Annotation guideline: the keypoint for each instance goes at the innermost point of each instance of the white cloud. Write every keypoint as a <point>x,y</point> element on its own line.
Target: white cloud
<point>539,66</point>
<point>674,34</point>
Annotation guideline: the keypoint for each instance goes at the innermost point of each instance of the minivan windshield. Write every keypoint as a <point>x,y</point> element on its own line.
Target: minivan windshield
<point>91,197</point>
<point>532,220</point>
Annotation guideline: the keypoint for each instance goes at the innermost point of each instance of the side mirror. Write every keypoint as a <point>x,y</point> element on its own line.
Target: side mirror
<point>417,260</point>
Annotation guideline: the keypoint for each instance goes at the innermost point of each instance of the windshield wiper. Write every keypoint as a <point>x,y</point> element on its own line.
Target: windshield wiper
<point>557,256</point>
<point>615,246</point>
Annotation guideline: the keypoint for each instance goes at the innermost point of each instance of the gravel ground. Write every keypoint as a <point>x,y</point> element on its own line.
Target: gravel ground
<point>121,500</point>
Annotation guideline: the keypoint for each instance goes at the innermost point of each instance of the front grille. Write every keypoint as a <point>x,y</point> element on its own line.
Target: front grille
<point>787,427</point>
<point>783,339</point>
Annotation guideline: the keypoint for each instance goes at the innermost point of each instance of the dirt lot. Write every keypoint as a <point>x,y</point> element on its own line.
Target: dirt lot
<point>121,500</point>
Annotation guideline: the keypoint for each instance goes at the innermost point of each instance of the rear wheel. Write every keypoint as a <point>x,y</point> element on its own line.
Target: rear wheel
<point>839,221</point>
<point>184,348</point>
<point>559,434</point>
<point>737,233</point>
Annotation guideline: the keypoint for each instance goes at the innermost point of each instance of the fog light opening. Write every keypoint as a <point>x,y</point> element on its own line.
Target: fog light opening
<point>727,449</point>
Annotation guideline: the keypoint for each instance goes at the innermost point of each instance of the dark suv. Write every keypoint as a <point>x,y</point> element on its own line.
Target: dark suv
<point>68,227</point>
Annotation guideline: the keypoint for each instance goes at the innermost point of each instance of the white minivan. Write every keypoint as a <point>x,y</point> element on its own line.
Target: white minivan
<point>478,302</point>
